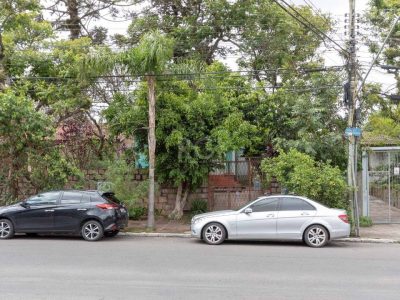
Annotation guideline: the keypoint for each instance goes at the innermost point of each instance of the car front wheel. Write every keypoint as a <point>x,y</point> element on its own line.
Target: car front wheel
<point>92,231</point>
<point>316,236</point>
<point>6,229</point>
<point>214,234</point>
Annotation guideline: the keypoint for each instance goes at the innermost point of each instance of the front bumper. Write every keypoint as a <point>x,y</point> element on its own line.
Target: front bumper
<point>195,230</point>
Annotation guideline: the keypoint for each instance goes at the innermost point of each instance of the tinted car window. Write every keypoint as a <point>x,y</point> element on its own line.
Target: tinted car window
<point>96,198</point>
<point>85,198</point>
<point>291,203</point>
<point>269,204</point>
<point>71,198</point>
<point>44,199</point>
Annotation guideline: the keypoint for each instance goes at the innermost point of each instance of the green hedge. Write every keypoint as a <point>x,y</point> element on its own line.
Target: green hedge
<point>300,174</point>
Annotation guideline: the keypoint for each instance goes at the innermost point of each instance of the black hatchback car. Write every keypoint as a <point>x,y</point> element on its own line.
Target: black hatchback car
<point>90,214</point>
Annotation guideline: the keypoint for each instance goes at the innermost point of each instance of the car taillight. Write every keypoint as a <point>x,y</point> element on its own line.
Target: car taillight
<point>107,206</point>
<point>344,218</point>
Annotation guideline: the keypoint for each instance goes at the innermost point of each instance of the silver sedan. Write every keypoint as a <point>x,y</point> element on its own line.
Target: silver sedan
<point>280,217</point>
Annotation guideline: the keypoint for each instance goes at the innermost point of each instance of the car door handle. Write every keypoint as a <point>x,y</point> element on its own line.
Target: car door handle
<point>82,209</point>
<point>270,215</point>
<point>305,214</point>
<point>49,210</point>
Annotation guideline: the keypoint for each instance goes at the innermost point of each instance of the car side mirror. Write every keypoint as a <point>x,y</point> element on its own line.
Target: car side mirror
<point>24,204</point>
<point>248,210</point>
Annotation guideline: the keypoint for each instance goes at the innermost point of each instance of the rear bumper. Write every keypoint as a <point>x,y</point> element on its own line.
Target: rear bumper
<point>340,233</point>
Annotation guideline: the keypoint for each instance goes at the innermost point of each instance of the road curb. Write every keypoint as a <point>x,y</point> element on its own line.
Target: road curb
<point>157,234</point>
<point>187,235</point>
<point>368,240</point>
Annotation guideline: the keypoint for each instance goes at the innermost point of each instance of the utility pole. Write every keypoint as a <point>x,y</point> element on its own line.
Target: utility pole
<point>351,121</point>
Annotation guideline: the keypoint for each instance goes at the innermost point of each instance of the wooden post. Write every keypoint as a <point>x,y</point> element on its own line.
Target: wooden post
<point>249,174</point>
<point>229,199</point>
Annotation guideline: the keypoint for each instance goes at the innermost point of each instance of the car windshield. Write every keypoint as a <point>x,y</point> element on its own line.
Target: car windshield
<point>247,203</point>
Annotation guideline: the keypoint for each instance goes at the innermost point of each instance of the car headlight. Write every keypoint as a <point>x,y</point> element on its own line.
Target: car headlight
<point>197,220</point>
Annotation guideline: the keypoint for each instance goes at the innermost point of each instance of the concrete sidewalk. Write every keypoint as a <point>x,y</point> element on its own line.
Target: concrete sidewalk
<point>381,231</point>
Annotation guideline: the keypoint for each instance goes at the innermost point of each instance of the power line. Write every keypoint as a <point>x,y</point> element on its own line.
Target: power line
<point>308,24</point>
<point>250,72</point>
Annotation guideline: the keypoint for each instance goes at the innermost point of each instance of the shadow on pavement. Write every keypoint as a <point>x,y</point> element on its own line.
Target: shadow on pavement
<point>332,244</point>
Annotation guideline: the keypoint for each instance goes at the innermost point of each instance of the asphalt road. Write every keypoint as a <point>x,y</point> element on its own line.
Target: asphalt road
<point>176,268</point>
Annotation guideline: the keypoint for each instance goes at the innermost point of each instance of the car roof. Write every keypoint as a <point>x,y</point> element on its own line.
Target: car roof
<point>80,191</point>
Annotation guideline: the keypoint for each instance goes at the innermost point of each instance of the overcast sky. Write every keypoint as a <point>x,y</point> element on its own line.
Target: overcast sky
<point>337,10</point>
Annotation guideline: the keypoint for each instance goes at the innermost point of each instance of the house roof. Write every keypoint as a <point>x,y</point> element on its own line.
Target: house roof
<point>372,139</point>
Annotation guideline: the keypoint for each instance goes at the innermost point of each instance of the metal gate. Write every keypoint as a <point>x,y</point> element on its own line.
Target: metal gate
<point>381,184</point>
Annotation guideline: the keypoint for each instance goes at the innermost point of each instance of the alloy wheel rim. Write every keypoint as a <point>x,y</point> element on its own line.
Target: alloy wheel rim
<point>4,230</point>
<point>91,231</point>
<point>316,236</point>
<point>213,234</point>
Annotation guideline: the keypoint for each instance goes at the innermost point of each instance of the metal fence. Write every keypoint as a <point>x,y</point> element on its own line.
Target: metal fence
<point>382,202</point>
<point>221,198</point>
<point>235,183</point>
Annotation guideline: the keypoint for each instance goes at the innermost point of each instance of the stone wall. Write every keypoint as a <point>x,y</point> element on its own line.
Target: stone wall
<point>165,201</point>
<point>165,198</point>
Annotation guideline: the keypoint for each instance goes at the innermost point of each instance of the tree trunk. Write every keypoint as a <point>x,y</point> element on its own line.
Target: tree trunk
<point>3,72</point>
<point>180,202</point>
<point>12,179</point>
<point>152,148</point>
<point>73,25</point>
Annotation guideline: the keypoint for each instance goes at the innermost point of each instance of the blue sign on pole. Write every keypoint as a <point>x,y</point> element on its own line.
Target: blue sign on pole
<point>353,131</point>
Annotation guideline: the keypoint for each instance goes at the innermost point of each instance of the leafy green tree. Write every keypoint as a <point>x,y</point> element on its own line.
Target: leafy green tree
<point>76,15</point>
<point>197,124</point>
<point>260,33</point>
<point>303,176</point>
<point>381,15</point>
<point>303,114</point>
<point>27,146</point>
<point>148,59</point>
<point>21,32</point>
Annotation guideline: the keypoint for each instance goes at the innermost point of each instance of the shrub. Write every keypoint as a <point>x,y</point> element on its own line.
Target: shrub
<point>365,221</point>
<point>199,206</point>
<point>136,212</point>
<point>300,174</point>
<point>132,193</point>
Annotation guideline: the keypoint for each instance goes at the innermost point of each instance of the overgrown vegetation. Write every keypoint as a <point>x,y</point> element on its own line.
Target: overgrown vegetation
<point>365,221</point>
<point>199,206</point>
<point>302,175</point>
<point>132,193</point>
<point>281,95</point>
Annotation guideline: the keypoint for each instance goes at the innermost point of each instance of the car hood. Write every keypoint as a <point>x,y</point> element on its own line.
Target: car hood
<point>215,214</point>
<point>4,209</point>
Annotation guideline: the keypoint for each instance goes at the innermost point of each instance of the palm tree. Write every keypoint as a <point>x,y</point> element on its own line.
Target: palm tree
<point>147,60</point>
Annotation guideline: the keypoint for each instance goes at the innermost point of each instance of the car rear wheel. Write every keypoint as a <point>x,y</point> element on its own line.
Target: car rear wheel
<point>6,229</point>
<point>92,231</point>
<point>316,236</point>
<point>111,233</point>
<point>214,234</point>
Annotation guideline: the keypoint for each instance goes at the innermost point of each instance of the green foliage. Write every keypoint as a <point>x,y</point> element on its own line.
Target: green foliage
<point>199,206</point>
<point>27,148</point>
<point>259,32</point>
<point>365,221</point>
<point>137,212</point>
<point>194,128</point>
<point>132,193</point>
<point>302,175</point>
